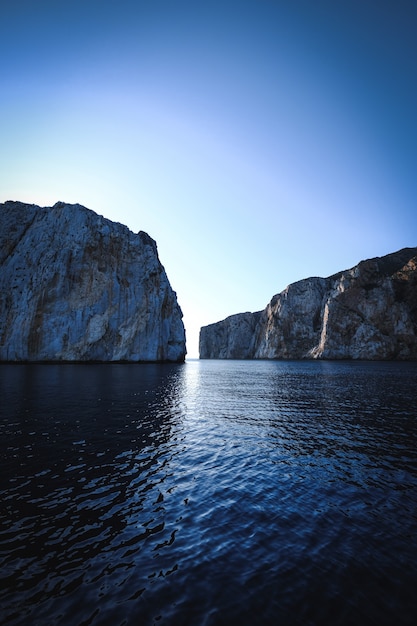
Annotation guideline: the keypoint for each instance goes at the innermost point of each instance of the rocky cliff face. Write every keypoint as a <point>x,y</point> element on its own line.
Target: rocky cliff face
<point>77,287</point>
<point>367,312</point>
<point>233,338</point>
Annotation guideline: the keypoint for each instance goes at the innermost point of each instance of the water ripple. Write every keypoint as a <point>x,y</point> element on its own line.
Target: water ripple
<point>209,493</point>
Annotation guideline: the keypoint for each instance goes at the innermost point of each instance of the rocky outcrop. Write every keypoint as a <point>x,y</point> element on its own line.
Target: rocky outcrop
<point>75,286</point>
<point>233,338</point>
<point>367,312</point>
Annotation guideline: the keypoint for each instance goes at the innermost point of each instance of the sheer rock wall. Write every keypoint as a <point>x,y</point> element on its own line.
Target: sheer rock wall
<point>75,286</point>
<point>367,312</point>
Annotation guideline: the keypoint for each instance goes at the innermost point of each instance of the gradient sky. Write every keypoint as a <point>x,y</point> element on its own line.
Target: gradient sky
<point>259,142</point>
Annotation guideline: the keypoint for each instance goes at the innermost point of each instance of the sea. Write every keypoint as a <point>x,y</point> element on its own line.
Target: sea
<point>209,493</point>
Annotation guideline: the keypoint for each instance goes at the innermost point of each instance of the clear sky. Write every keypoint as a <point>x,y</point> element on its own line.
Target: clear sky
<point>259,142</point>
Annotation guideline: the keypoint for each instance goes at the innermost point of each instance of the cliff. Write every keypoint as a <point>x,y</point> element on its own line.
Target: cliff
<point>367,312</point>
<point>75,286</point>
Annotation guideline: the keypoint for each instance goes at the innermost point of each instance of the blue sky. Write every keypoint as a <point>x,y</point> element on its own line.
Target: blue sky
<point>259,142</point>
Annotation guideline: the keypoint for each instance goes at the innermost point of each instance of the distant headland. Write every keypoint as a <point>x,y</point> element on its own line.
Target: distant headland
<point>367,312</point>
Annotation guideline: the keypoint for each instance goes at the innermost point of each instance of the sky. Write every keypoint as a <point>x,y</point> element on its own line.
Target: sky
<point>258,142</point>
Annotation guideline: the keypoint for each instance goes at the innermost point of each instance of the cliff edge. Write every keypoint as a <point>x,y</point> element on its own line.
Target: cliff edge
<point>366,312</point>
<point>75,286</point>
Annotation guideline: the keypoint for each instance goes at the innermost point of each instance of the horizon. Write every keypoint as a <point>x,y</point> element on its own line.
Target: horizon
<point>257,143</point>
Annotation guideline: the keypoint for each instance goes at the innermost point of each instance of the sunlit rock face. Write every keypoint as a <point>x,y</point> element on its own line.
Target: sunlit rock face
<point>75,286</point>
<point>367,312</point>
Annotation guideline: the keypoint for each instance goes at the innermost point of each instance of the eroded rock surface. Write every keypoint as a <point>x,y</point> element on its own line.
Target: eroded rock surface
<point>75,286</point>
<point>367,312</point>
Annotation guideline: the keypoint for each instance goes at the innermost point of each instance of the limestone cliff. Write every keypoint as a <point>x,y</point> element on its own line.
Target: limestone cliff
<point>75,286</point>
<point>367,312</point>
<point>233,338</point>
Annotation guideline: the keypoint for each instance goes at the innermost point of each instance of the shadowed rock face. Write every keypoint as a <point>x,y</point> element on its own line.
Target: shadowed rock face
<point>231,339</point>
<point>367,312</point>
<point>75,286</point>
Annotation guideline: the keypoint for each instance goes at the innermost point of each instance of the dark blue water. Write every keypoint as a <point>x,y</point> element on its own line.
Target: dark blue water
<point>209,493</point>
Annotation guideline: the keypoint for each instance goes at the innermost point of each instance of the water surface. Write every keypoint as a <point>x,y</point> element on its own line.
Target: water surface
<point>198,494</point>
